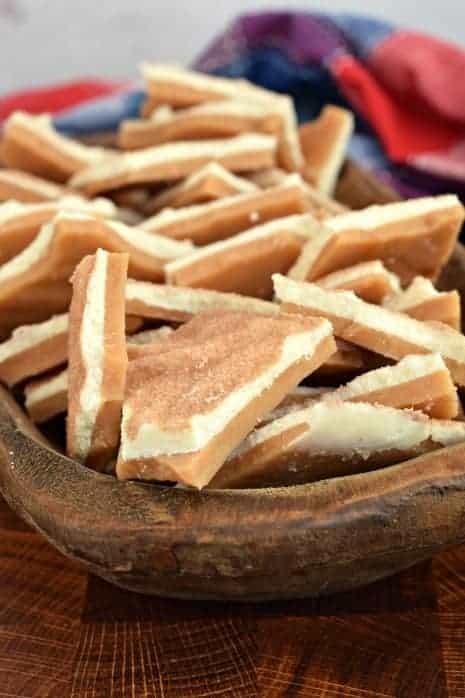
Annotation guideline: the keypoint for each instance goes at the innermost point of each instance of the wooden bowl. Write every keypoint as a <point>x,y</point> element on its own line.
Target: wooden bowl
<point>277,543</point>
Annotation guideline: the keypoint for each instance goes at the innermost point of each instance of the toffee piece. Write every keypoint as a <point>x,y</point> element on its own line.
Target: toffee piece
<point>330,439</point>
<point>386,332</point>
<point>410,238</point>
<point>97,358</point>
<point>174,161</point>
<point>207,223</point>
<point>422,301</point>
<point>32,144</point>
<point>224,391</point>
<point>209,183</point>
<point>244,264</point>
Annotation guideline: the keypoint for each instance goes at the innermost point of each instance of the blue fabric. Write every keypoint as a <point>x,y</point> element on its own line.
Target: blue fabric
<point>100,114</point>
<point>364,32</point>
<point>290,52</point>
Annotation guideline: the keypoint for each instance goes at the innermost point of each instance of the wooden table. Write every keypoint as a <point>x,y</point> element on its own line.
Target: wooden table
<point>65,634</point>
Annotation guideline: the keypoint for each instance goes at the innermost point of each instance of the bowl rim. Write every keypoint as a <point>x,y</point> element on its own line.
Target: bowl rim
<point>186,540</point>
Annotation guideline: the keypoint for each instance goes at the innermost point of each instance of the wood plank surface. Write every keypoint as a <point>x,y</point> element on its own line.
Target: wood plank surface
<point>65,634</point>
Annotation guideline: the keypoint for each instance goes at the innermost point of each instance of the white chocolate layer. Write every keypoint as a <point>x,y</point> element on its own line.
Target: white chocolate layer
<point>100,207</point>
<point>31,183</point>
<point>232,106</point>
<point>193,300</point>
<point>311,252</point>
<point>420,290</point>
<point>154,245</point>
<point>30,336</point>
<point>30,255</point>
<point>434,337</point>
<point>43,126</point>
<point>46,389</point>
<point>408,369</point>
<point>171,73</point>
<point>344,276</point>
<point>213,169</point>
<point>217,170</point>
<point>234,90</point>
<point>330,172</point>
<point>347,428</point>
<point>123,163</point>
<point>157,246</point>
<point>302,225</point>
<point>366,220</point>
<point>378,215</point>
<point>92,352</point>
<point>199,210</point>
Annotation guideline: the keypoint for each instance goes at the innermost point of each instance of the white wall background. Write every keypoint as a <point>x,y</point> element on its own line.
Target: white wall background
<point>46,40</point>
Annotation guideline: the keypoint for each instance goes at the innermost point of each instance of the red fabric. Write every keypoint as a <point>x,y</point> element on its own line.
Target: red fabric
<point>404,128</point>
<point>423,69</point>
<point>56,98</point>
<point>449,164</point>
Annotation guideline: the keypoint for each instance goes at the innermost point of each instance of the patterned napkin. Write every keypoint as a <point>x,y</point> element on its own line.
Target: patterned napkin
<point>406,88</point>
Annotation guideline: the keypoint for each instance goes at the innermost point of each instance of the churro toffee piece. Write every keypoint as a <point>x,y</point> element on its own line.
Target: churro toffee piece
<point>324,143</point>
<point>20,223</point>
<point>368,280</point>
<point>178,304</point>
<point>223,392</point>
<point>97,357</point>
<point>37,348</point>
<point>47,396</point>
<point>217,220</point>
<point>32,144</point>
<point>52,256</point>
<point>209,183</point>
<point>331,438</point>
<point>386,332</point>
<point>222,119</point>
<point>422,301</point>
<point>178,87</point>
<point>26,188</point>
<point>173,161</point>
<point>34,349</point>
<point>411,238</point>
<point>419,381</point>
<point>320,205</point>
<point>244,263</point>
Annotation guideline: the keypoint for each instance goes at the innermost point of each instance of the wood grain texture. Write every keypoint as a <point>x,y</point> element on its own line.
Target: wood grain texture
<point>66,635</point>
<point>289,542</point>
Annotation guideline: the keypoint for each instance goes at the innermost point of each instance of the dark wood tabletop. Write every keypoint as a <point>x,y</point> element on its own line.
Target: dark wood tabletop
<point>66,634</point>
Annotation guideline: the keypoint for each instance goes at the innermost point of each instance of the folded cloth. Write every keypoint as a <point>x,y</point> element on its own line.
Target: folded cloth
<point>405,87</point>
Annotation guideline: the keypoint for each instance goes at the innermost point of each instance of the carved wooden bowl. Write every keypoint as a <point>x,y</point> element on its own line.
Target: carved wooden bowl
<point>281,543</point>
